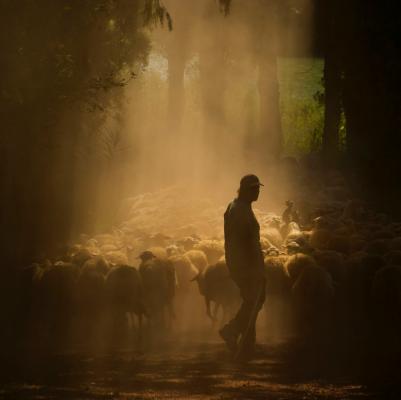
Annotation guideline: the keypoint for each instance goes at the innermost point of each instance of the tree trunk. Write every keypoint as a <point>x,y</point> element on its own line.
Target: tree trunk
<point>332,111</point>
<point>271,140</point>
<point>332,81</point>
<point>177,56</point>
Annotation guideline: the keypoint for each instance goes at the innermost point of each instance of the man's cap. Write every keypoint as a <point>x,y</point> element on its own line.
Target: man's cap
<point>249,181</point>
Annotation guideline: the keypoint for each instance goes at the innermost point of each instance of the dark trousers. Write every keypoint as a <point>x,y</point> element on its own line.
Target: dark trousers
<point>253,296</point>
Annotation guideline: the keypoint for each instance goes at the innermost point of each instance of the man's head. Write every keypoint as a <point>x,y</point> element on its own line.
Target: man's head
<point>249,188</point>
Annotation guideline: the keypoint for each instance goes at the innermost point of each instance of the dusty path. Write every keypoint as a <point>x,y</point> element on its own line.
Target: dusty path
<point>199,371</point>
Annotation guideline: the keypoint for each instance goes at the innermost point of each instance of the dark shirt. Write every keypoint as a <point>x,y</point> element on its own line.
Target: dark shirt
<point>244,255</point>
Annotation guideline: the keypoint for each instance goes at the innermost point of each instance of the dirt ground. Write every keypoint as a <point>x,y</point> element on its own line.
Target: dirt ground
<point>199,371</point>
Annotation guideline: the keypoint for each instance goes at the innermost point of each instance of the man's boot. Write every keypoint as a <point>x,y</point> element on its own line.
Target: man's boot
<point>229,337</point>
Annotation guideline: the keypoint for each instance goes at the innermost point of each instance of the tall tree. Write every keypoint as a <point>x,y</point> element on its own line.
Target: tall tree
<point>62,63</point>
<point>332,78</point>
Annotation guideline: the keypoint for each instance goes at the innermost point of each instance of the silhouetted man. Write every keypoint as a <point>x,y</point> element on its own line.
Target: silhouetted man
<point>244,259</point>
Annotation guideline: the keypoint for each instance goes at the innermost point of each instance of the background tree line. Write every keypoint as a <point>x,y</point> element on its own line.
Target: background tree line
<point>65,63</point>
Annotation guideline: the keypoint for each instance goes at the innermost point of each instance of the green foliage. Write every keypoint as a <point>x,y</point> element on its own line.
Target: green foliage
<point>67,50</point>
<point>225,6</point>
<point>64,66</point>
<point>156,13</point>
<point>301,104</point>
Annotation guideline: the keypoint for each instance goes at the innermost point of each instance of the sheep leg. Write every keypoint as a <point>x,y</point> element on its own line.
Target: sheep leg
<point>216,310</point>
<point>139,336</point>
<point>171,313</point>
<point>208,312</point>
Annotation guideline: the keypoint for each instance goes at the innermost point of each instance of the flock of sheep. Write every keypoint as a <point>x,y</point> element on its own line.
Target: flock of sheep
<point>334,272</point>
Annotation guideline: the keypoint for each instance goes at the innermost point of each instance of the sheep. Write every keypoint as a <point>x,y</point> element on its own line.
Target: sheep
<point>386,291</point>
<point>296,264</point>
<point>213,249</point>
<point>377,247</point>
<point>107,248</point>
<point>104,239</point>
<point>361,270</point>
<point>59,287</point>
<point>188,243</point>
<point>265,243</point>
<point>339,243</point>
<point>293,232</point>
<point>198,259</point>
<point>159,283</point>
<point>174,250</point>
<point>124,296</point>
<point>395,243</point>
<point>393,257</point>
<point>386,300</point>
<point>290,214</point>
<point>97,263</point>
<point>277,279</point>
<point>158,240</point>
<point>158,252</point>
<point>185,272</point>
<point>326,222</point>
<point>186,301</point>
<point>81,256</point>
<point>312,293</point>
<point>382,233</point>
<point>320,238</point>
<point>277,304</point>
<point>117,257</point>
<point>29,299</point>
<point>357,243</point>
<point>333,263</point>
<point>216,285</point>
<point>91,292</point>
<point>354,210</point>
<point>272,234</point>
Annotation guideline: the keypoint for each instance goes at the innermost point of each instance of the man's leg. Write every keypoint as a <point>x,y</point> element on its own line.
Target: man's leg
<point>249,291</point>
<point>255,297</point>
<point>232,330</point>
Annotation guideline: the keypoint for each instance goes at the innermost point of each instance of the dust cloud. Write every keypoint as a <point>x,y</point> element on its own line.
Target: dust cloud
<point>204,110</point>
